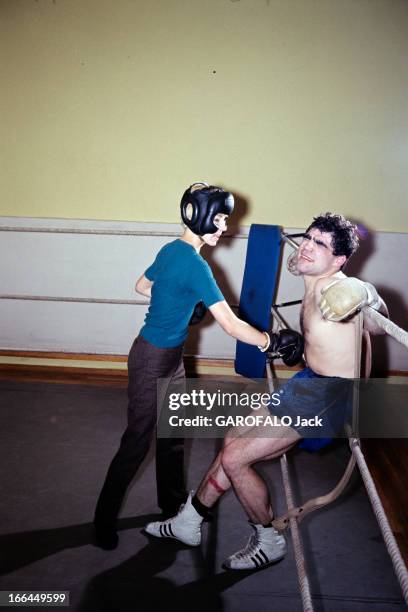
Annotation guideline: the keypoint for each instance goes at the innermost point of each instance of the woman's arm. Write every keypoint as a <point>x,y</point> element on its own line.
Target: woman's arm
<point>235,327</point>
<point>144,286</point>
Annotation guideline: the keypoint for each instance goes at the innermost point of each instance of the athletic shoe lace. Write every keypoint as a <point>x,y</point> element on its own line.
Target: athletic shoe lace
<point>250,549</point>
<point>170,520</point>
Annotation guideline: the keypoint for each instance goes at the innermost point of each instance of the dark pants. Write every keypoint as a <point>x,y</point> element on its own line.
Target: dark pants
<point>146,363</point>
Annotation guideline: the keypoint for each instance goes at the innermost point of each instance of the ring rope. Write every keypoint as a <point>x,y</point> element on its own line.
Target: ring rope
<point>389,539</point>
<point>297,542</point>
<point>390,328</point>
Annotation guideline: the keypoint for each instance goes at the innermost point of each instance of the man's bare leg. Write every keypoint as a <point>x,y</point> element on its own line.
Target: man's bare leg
<point>236,463</point>
<point>233,467</point>
<point>215,482</point>
<point>186,525</point>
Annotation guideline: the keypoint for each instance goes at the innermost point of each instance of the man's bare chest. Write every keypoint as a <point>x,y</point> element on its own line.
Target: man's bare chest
<point>308,313</point>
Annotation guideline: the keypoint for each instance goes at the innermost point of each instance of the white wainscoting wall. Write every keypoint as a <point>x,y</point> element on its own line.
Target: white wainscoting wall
<point>68,285</point>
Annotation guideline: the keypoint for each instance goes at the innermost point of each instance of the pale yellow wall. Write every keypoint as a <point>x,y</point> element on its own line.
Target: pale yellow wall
<point>110,108</point>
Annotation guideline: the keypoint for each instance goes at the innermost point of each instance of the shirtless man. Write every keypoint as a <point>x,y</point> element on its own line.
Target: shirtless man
<point>330,357</point>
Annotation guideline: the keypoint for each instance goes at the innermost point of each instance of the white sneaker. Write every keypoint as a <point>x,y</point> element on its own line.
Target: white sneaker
<point>264,547</point>
<point>185,526</point>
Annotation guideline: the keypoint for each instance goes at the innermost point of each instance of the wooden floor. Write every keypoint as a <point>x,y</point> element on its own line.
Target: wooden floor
<point>388,464</point>
<point>387,459</point>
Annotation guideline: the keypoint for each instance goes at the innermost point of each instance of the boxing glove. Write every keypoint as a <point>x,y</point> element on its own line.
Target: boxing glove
<point>199,313</point>
<point>345,297</point>
<point>287,344</point>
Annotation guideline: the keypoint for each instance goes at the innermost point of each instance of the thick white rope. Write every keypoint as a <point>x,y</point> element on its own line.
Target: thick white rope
<point>389,539</point>
<point>390,328</point>
<point>390,542</point>
<point>297,542</point>
<point>294,527</point>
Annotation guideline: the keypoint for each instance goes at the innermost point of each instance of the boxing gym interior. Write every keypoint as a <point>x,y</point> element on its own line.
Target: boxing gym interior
<point>110,110</point>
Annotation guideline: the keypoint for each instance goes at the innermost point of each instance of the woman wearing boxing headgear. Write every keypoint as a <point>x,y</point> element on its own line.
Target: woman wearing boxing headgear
<point>181,287</point>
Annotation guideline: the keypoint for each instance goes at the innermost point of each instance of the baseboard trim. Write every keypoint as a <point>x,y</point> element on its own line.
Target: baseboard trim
<point>97,368</point>
<point>90,368</point>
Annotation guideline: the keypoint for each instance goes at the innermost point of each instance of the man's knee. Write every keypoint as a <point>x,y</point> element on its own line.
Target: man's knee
<point>279,446</point>
<point>232,459</point>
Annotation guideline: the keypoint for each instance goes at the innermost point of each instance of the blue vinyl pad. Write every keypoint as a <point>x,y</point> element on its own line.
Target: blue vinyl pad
<point>257,293</point>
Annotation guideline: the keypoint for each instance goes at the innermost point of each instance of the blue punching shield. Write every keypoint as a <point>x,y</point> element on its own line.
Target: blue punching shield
<point>258,289</point>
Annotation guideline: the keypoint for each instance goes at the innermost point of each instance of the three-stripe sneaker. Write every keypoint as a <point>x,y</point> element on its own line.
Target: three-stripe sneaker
<point>264,547</point>
<point>185,526</point>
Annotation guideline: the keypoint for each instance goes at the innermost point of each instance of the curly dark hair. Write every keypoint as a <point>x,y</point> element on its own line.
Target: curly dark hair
<point>345,239</point>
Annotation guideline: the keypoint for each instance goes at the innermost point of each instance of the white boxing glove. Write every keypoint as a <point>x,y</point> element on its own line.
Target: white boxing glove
<point>343,298</point>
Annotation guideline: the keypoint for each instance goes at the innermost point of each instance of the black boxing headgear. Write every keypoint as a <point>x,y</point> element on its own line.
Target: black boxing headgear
<point>201,203</point>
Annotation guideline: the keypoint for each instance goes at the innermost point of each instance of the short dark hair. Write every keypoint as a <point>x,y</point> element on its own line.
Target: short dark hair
<point>345,239</point>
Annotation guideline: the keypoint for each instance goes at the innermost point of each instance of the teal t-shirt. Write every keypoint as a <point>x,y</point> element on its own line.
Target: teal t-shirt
<point>181,278</point>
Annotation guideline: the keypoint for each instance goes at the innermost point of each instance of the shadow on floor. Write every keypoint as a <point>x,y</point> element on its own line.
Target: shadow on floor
<point>134,584</point>
<point>21,549</point>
